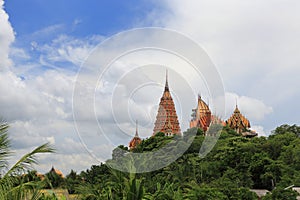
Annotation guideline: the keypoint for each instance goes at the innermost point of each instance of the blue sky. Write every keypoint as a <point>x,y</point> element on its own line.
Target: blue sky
<point>82,19</point>
<point>44,43</point>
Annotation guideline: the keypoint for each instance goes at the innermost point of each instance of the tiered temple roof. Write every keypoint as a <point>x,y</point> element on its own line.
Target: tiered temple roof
<point>166,119</point>
<point>135,140</point>
<point>201,116</point>
<point>238,122</point>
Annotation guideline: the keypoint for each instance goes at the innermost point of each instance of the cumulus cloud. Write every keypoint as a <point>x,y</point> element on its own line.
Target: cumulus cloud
<point>6,38</point>
<point>252,108</point>
<point>38,106</point>
<point>255,49</point>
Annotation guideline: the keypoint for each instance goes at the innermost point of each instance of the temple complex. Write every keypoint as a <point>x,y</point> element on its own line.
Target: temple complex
<point>201,116</point>
<point>166,119</point>
<point>135,140</point>
<point>240,124</point>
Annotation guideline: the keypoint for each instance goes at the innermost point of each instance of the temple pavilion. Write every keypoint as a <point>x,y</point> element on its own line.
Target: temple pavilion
<point>240,124</point>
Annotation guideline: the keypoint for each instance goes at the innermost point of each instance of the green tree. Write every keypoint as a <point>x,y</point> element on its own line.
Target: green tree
<point>72,180</point>
<point>54,180</point>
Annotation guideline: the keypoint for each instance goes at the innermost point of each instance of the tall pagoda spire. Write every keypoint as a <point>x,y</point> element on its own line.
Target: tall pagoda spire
<point>166,115</point>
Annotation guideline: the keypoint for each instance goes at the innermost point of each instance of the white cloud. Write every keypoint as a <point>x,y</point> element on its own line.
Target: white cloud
<point>6,38</point>
<point>68,49</point>
<point>47,31</point>
<point>29,99</point>
<point>255,48</point>
<point>65,162</point>
<point>260,130</point>
<point>252,108</point>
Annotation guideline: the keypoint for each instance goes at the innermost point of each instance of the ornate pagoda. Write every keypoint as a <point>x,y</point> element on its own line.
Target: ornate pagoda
<point>240,124</point>
<point>166,118</point>
<point>135,140</point>
<point>201,116</point>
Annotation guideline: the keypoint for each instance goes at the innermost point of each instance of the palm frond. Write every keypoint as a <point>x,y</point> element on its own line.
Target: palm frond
<point>26,162</point>
<point>4,145</point>
<point>29,190</point>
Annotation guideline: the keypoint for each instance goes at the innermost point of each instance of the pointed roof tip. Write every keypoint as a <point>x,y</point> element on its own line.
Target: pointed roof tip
<point>167,73</point>
<point>199,96</point>
<point>236,110</point>
<point>136,128</point>
<point>167,84</point>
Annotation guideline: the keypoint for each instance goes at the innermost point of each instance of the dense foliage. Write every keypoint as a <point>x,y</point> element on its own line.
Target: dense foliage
<point>234,166</point>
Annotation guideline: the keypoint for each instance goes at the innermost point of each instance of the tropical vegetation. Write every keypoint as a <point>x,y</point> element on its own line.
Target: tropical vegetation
<point>13,184</point>
<point>230,171</point>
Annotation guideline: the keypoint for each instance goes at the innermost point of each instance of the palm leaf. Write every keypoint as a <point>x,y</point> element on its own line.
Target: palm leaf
<point>26,162</point>
<point>4,145</point>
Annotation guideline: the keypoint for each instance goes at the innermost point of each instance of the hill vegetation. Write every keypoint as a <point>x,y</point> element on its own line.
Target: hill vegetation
<point>234,166</point>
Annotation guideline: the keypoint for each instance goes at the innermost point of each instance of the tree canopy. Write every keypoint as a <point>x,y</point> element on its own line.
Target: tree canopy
<point>234,166</point>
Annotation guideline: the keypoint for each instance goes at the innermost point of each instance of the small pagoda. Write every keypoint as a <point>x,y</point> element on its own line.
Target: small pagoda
<point>201,116</point>
<point>166,118</point>
<point>136,140</point>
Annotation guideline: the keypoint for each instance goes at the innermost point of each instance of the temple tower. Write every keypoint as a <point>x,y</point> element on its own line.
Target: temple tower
<point>166,119</point>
